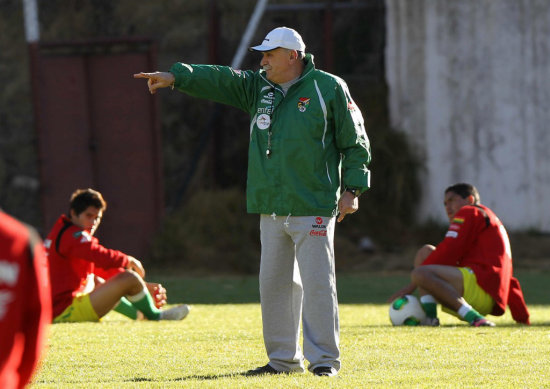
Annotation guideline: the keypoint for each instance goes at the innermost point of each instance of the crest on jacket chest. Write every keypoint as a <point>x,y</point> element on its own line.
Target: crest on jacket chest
<point>303,103</point>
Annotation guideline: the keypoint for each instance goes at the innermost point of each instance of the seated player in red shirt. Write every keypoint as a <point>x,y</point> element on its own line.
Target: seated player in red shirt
<point>76,259</point>
<point>25,306</point>
<point>470,272</point>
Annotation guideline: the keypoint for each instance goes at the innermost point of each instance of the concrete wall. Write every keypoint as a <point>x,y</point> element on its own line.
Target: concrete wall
<point>469,82</point>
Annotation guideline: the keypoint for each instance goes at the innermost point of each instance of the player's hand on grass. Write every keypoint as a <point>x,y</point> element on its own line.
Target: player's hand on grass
<point>158,292</point>
<point>347,204</point>
<point>157,80</point>
<point>136,266</point>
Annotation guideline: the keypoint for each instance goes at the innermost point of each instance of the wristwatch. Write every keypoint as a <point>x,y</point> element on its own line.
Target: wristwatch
<point>354,191</point>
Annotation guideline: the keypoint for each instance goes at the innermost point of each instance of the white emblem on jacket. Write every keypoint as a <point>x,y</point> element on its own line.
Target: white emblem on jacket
<point>263,121</point>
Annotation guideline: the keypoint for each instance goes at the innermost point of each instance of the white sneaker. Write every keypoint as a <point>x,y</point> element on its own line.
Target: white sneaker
<point>175,313</point>
<point>430,321</point>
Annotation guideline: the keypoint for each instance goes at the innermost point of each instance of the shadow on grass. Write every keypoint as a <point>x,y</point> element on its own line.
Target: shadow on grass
<point>231,375</point>
<point>208,377</point>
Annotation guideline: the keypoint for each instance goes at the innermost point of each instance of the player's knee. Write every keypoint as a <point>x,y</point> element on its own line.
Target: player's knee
<point>130,278</point>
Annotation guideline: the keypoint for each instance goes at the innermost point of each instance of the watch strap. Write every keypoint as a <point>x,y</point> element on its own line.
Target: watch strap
<point>354,191</point>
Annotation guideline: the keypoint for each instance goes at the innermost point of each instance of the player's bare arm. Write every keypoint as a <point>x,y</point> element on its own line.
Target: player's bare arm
<point>157,80</point>
<point>135,265</point>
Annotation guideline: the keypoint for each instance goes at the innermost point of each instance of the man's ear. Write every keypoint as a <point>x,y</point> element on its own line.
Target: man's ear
<point>471,199</point>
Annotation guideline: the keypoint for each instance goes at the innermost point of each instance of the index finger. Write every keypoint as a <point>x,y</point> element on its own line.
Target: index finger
<point>143,75</point>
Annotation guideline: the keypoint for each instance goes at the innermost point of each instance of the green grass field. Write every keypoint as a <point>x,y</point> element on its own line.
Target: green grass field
<point>222,338</point>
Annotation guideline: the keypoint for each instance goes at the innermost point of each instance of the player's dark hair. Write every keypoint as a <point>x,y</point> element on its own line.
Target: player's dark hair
<point>464,190</point>
<point>81,199</point>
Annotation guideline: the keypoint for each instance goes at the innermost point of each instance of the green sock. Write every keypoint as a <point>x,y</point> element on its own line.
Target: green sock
<point>429,304</point>
<point>126,308</point>
<point>143,301</point>
<point>468,313</point>
<point>430,309</point>
<point>471,316</point>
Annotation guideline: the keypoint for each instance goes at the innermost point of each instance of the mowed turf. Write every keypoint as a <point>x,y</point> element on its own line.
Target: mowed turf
<point>222,339</point>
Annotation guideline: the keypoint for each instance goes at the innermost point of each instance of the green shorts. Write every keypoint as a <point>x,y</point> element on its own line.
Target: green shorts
<point>474,295</point>
<point>80,310</point>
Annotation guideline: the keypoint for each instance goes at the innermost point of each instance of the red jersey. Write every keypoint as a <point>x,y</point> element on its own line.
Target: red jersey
<point>477,239</point>
<point>25,305</point>
<point>73,254</point>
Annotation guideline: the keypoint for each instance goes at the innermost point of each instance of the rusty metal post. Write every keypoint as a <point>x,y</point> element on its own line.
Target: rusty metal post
<point>34,65</point>
<point>214,123</point>
<point>329,36</point>
<point>213,32</point>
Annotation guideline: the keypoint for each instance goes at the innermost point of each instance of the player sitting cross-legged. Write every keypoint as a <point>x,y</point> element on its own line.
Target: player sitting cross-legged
<point>76,259</point>
<point>470,272</point>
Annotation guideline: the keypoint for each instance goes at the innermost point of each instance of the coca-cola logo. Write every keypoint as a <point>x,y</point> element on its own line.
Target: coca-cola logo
<point>318,233</point>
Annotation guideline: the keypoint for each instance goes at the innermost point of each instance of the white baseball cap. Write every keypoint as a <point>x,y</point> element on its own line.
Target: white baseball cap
<point>281,37</point>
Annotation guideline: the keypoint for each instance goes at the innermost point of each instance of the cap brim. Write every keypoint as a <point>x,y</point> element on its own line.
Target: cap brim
<point>261,48</point>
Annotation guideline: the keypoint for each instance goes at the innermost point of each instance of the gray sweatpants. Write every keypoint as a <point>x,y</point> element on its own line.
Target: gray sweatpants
<point>298,281</point>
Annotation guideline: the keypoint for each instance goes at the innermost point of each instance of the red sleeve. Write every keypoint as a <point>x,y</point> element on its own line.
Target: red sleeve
<point>25,302</point>
<point>516,302</point>
<point>108,273</point>
<point>462,232</point>
<point>38,312</point>
<point>80,244</point>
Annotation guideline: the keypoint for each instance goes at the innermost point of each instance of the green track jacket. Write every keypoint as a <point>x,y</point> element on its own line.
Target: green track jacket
<point>318,138</point>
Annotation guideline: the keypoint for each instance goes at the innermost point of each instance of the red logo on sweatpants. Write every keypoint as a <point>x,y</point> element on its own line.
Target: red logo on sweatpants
<point>318,233</point>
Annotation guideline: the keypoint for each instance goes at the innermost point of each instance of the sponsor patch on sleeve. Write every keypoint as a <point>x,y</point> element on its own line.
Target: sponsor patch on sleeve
<point>6,297</point>
<point>84,236</point>
<point>451,234</point>
<point>9,273</point>
<point>458,220</point>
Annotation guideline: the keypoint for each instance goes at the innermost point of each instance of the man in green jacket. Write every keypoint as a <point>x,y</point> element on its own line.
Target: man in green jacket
<point>307,166</point>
